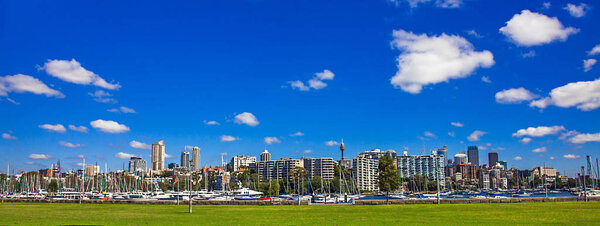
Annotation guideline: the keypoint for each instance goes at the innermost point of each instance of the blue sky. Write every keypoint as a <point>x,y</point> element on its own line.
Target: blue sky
<point>179,65</point>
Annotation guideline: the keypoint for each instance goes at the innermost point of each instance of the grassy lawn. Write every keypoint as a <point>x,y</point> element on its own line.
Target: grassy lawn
<point>497,213</point>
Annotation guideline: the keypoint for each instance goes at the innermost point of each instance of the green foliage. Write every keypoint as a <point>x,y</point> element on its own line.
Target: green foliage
<point>389,177</point>
<point>274,189</point>
<point>53,186</point>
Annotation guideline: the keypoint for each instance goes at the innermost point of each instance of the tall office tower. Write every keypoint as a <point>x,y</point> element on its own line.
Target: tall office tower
<point>265,156</point>
<point>185,159</point>
<point>492,159</point>
<point>460,158</point>
<point>473,154</point>
<point>158,155</point>
<point>196,159</point>
<point>243,160</point>
<point>137,164</point>
<point>443,151</point>
<point>322,167</point>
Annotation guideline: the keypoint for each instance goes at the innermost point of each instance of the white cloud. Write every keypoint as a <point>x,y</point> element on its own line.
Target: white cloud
<point>20,83</point>
<point>331,143</point>
<point>474,34</point>
<point>429,134</point>
<point>40,156</point>
<point>55,128</point>
<point>438,3</point>
<point>525,140</point>
<point>306,152</point>
<point>457,124</point>
<point>540,150</point>
<point>271,140</point>
<point>227,138</point>
<point>452,134</point>
<point>167,156</point>
<point>514,96</point>
<point>139,145</point>
<point>126,109</point>
<point>80,156</point>
<point>315,83</point>
<point>69,144</point>
<point>498,149</point>
<point>434,59</point>
<point>584,138</point>
<point>539,131</point>
<point>571,156</point>
<point>577,10</point>
<point>518,158</point>
<point>325,75</point>
<point>81,129</point>
<point>102,97</point>
<point>7,136</point>
<point>529,54</point>
<point>588,64</point>
<point>483,148</point>
<point>123,155</point>
<point>584,95</point>
<point>297,134</point>
<point>299,85</point>
<point>547,5</point>
<point>109,126</point>
<point>71,71</point>
<point>246,118</point>
<point>552,158</point>
<point>486,79</point>
<point>595,50</point>
<point>531,29</point>
<point>211,123</point>
<point>122,109</point>
<point>476,135</point>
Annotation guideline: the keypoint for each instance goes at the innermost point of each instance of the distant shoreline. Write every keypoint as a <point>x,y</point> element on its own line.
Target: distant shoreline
<point>292,202</point>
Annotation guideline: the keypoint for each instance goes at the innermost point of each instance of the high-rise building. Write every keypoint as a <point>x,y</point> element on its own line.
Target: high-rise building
<point>243,160</point>
<point>444,153</point>
<point>91,170</point>
<point>173,165</point>
<point>322,167</point>
<point>422,165</point>
<point>158,155</point>
<point>185,159</point>
<point>137,164</point>
<point>274,169</point>
<point>377,154</point>
<point>265,156</point>
<point>492,159</point>
<point>473,154</point>
<point>195,159</point>
<point>460,158</point>
<point>365,172</point>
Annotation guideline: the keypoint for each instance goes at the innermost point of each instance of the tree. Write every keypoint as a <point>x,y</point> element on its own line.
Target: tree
<point>274,189</point>
<point>53,186</point>
<point>389,177</point>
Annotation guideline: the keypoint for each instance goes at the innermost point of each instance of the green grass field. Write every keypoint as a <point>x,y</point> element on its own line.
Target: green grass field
<point>497,213</point>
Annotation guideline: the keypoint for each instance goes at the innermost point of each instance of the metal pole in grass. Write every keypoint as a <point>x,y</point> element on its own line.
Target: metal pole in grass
<point>190,190</point>
<point>437,176</point>
<point>583,183</point>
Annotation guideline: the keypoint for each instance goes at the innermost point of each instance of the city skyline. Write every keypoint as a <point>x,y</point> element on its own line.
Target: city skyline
<point>235,81</point>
